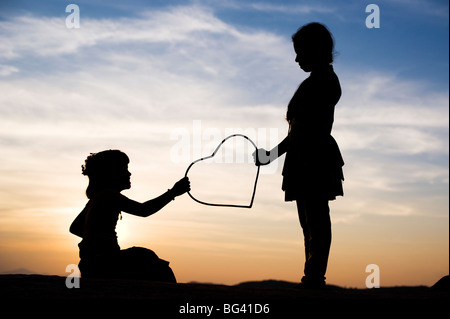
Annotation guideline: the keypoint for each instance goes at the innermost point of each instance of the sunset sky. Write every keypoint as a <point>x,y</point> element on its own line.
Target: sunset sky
<point>166,81</point>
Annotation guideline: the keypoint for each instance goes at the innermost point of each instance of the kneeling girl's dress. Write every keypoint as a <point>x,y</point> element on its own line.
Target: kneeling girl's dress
<point>100,254</point>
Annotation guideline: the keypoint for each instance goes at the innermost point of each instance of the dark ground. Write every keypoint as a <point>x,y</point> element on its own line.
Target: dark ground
<point>163,300</point>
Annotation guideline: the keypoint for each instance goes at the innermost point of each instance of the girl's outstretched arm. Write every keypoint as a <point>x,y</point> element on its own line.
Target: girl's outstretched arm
<point>152,206</point>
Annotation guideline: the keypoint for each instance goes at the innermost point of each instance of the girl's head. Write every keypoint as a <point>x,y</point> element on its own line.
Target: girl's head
<point>106,170</point>
<point>314,46</point>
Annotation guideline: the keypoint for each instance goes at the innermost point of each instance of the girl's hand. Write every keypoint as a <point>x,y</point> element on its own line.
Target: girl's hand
<point>261,157</point>
<point>181,187</point>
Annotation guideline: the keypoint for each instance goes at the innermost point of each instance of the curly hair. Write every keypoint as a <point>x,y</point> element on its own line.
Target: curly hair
<point>100,168</point>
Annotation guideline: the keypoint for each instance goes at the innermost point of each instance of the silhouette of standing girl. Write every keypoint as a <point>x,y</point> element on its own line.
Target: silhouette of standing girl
<point>312,172</point>
<point>100,254</point>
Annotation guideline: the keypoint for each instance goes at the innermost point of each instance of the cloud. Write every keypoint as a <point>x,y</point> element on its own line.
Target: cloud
<point>390,115</point>
<point>176,26</point>
<point>6,70</point>
<point>276,8</point>
<point>293,9</point>
<point>183,50</point>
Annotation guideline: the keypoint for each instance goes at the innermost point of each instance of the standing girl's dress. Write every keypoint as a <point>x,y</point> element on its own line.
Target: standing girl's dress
<point>313,164</point>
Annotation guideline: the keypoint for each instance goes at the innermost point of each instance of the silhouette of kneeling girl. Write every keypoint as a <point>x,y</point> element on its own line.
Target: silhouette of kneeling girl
<point>100,254</point>
<point>312,171</point>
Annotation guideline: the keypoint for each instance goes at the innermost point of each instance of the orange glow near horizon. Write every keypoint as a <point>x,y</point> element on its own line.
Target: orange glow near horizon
<point>240,246</point>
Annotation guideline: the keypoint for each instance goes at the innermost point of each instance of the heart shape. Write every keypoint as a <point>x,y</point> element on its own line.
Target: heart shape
<point>211,156</point>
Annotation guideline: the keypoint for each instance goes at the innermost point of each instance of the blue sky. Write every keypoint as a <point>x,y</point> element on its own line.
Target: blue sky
<point>412,42</point>
<point>141,75</point>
